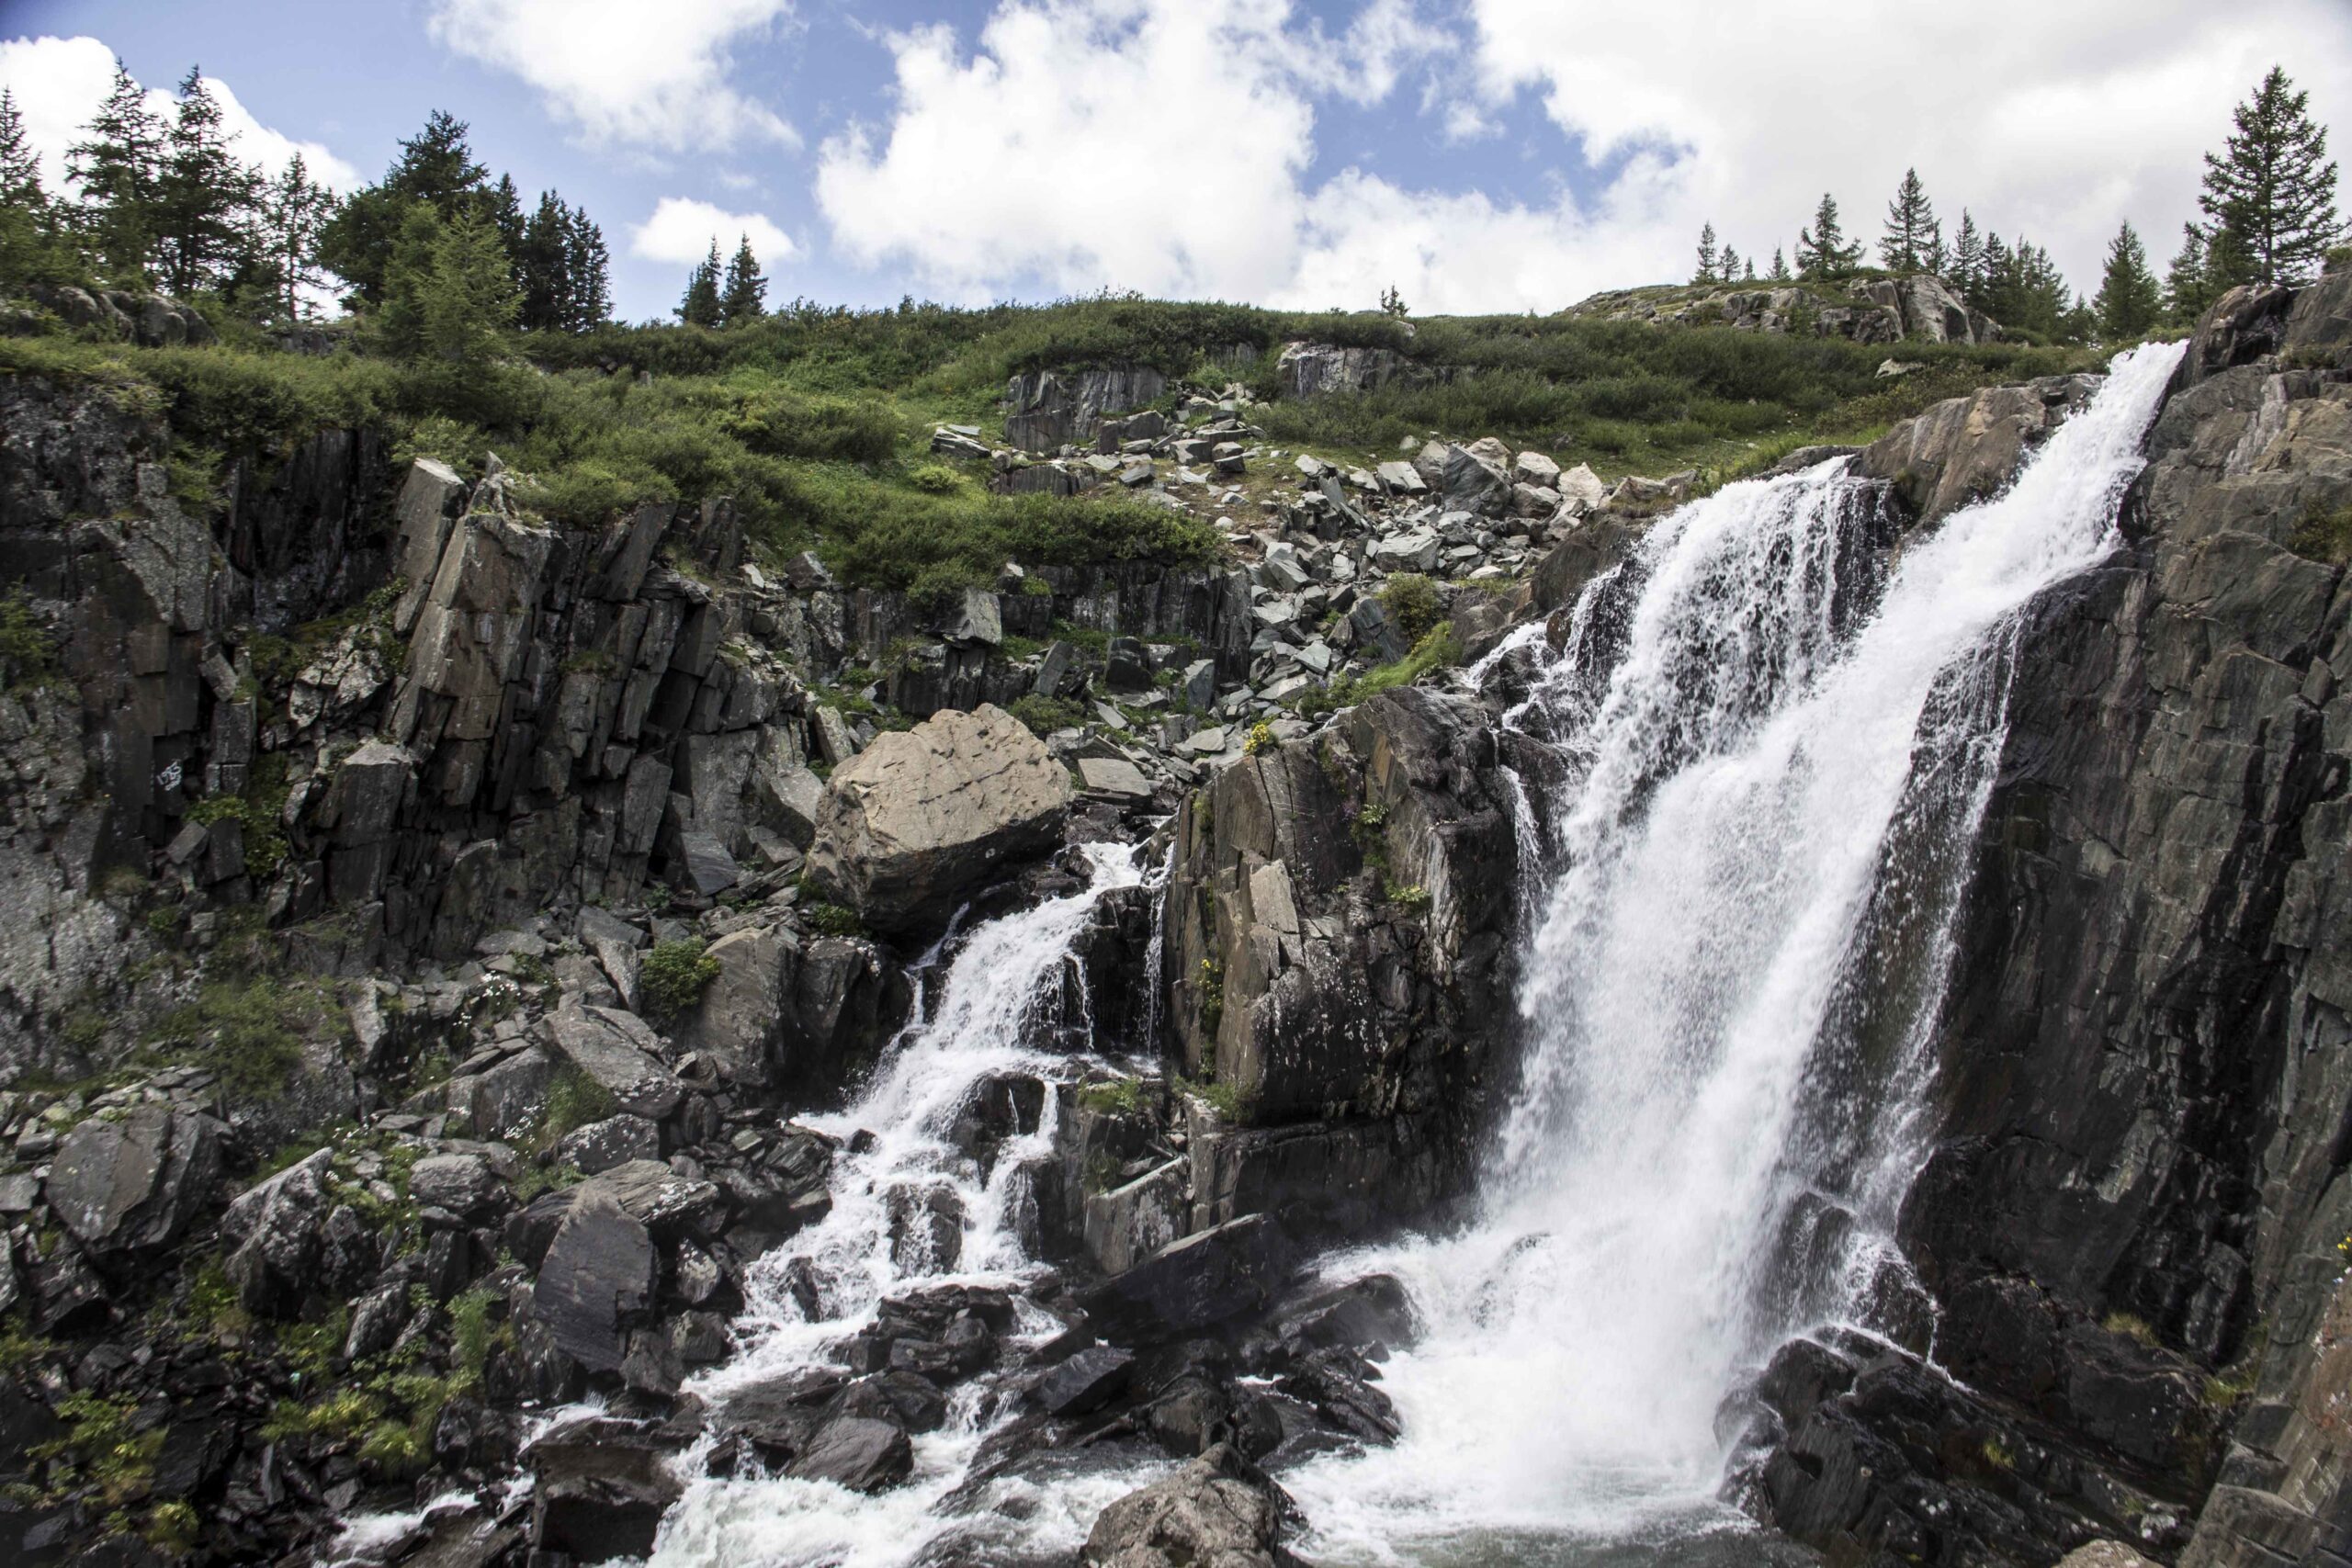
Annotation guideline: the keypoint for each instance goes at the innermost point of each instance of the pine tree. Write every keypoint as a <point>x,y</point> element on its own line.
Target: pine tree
<point>1912,237</point>
<point>119,170</point>
<point>2129,301</point>
<point>1780,265</point>
<point>205,196</point>
<point>699,308</point>
<point>1823,254</point>
<point>587,265</point>
<point>1750,262</point>
<point>2270,196</point>
<point>1967,264</point>
<point>435,167</point>
<point>1727,269</point>
<point>294,210</point>
<point>743,298</point>
<point>20,165</point>
<point>1707,258</point>
<point>2188,286</point>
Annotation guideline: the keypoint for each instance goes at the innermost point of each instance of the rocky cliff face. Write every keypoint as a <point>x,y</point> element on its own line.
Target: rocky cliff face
<point>2132,1215</point>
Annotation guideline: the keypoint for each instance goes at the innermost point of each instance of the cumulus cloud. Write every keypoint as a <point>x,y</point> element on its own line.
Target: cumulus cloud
<point>622,71</point>
<point>682,231</point>
<point>59,82</point>
<point>1131,143</point>
<point>1046,153</point>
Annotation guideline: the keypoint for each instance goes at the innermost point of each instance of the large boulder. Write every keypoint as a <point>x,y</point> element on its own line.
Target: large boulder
<point>1217,1512</point>
<point>134,1184</point>
<point>596,1280</point>
<point>923,815</point>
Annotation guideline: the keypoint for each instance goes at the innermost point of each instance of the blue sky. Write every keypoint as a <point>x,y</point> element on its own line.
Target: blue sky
<point>1480,155</point>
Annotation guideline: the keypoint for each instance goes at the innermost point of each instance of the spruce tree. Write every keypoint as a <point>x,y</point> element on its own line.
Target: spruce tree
<point>119,170</point>
<point>294,210</point>
<point>587,266</point>
<point>435,167</point>
<point>2271,194</point>
<point>543,267</point>
<point>1728,268</point>
<point>473,299</point>
<point>2188,286</point>
<point>1823,254</point>
<point>1967,265</point>
<point>1912,237</point>
<point>205,196</point>
<point>1706,272</point>
<point>743,297</point>
<point>2129,301</point>
<point>1750,264</point>
<point>20,165</point>
<point>699,308</point>
<point>1780,265</point>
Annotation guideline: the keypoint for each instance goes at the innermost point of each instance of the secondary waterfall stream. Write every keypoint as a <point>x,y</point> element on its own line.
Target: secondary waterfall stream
<point>1776,750</point>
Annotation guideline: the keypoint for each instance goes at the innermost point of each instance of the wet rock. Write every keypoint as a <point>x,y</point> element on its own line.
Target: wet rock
<point>1087,1380</point>
<point>1218,1510</point>
<point>856,1451</point>
<point>601,1489</point>
<point>1206,1278</point>
<point>923,816</point>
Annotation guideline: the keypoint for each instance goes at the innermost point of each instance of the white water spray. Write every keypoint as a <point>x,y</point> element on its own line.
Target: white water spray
<point>996,1017</point>
<point>1726,1029</point>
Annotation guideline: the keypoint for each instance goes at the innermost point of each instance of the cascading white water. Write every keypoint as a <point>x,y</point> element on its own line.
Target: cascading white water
<point>1771,760</point>
<point>1001,986</point>
<point>1769,797</point>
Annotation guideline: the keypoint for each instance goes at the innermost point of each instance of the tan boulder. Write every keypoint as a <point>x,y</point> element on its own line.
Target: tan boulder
<point>923,815</point>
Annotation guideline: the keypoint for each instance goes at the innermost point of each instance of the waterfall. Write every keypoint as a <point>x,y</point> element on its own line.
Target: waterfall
<point>996,1017</point>
<point>1776,753</point>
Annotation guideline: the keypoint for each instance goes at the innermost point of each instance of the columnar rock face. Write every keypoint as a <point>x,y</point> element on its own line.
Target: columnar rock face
<point>1047,410</point>
<point>2131,1217</point>
<point>1338,963</point>
<point>923,815</point>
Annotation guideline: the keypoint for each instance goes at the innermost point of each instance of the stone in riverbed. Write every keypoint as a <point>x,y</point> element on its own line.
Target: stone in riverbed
<point>856,1451</point>
<point>923,815</point>
<point>1085,1382</point>
<point>1217,1512</point>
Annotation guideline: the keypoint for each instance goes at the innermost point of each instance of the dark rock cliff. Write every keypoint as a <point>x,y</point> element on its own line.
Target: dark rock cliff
<point>2132,1213</point>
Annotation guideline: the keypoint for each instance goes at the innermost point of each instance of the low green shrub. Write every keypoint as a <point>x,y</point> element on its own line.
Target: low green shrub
<point>674,975</point>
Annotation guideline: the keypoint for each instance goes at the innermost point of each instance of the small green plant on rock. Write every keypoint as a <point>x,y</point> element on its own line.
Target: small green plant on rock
<point>1262,738</point>
<point>1044,715</point>
<point>675,975</point>
<point>1211,996</point>
<point>1120,1097</point>
<point>1411,600</point>
<point>832,920</point>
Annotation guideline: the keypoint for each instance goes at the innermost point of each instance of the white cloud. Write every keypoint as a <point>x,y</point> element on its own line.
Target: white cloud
<point>1143,144</point>
<point>2058,120</point>
<point>624,71</point>
<point>682,231</point>
<point>59,82</point>
<point>1139,144</point>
